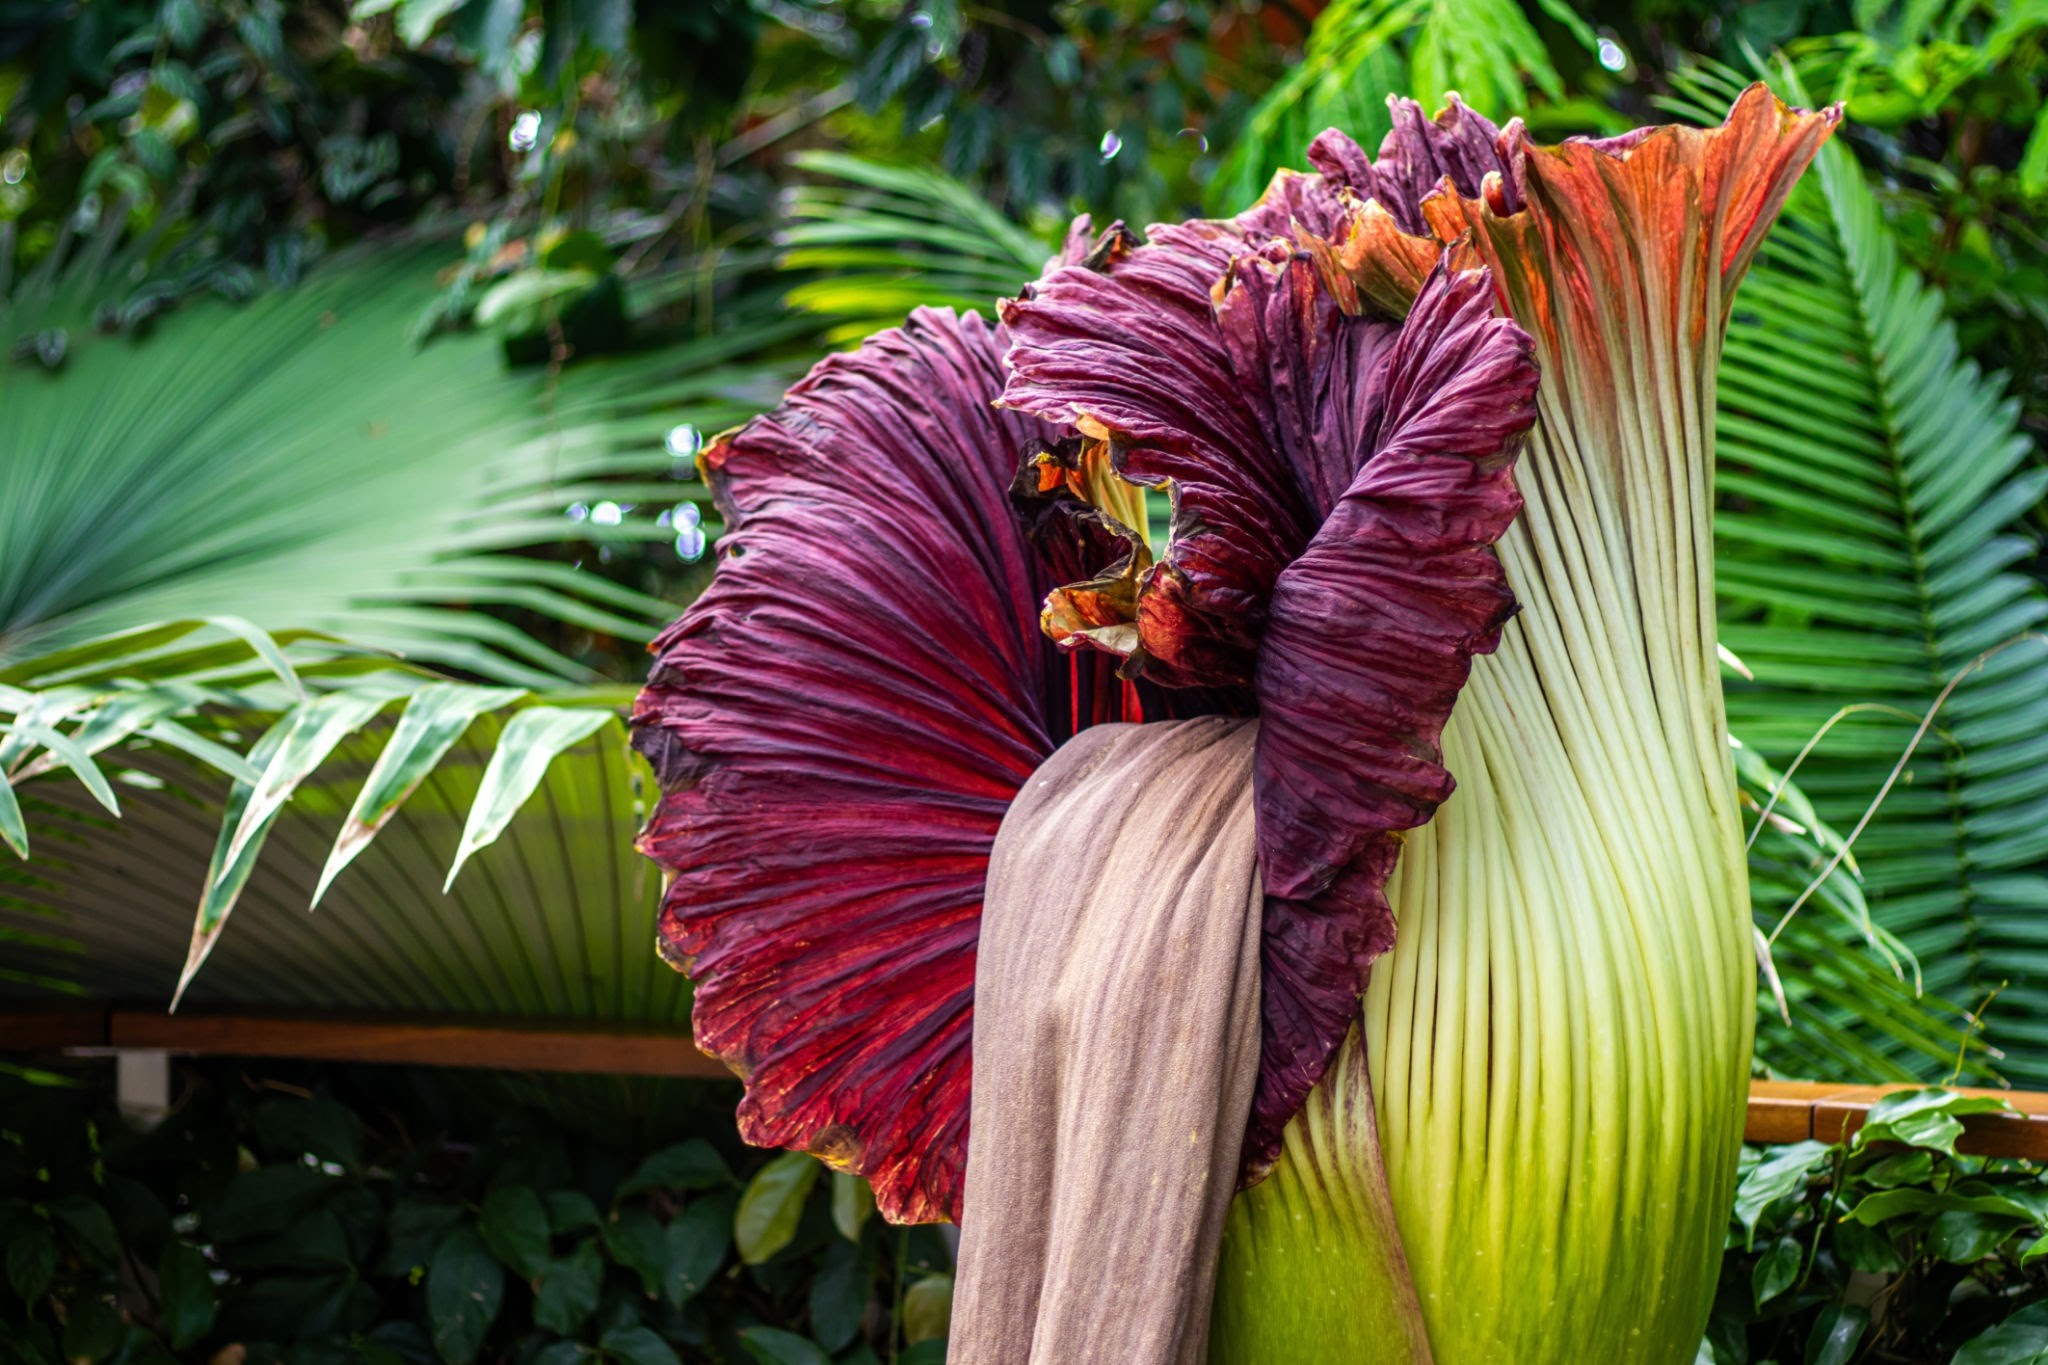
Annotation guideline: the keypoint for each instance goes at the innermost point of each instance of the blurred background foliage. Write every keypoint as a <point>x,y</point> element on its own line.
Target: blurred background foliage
<point>354,353</point>
<point>354,356</point>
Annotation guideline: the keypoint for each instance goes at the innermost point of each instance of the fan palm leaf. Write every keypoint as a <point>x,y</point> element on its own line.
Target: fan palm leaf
<point>296,463</point>
<point>877,241</point>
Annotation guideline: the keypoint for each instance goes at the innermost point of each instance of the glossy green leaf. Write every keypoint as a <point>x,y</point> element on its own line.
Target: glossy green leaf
<point>773,1204</point>
<point>691,1165</point>
<point>93,1331</point>
<point>566,1291</point>
<point>1923,1118</point>
<point>1776,1270</point>
<point>637,1242</point>
<point>2021,1339</point>
<point>185,1293</point>
<point>840,1295</point>
<point>1783,1171</point>
<point>31,1260</point>
<point>88,1228</point>
<point>465,1287</point>
<point>928,1309</point>
<point>514,1225</point>
<point>697,1241</point>
<point>853,1203</point>
<point>570,1211</point>
<point>1836,1334</point>
<point>636,1346</point>
<point>773,1346</point>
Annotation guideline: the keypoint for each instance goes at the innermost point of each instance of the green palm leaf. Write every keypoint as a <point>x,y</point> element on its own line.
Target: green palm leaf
<point>554,919</point>
<point>878,241</point>
<point>1870,481</point>
<point>217,540</point>
<point>295,463</point>
<point>1362,51</point>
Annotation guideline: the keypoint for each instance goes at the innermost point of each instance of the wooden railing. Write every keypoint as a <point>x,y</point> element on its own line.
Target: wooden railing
<point>1779,1111</point>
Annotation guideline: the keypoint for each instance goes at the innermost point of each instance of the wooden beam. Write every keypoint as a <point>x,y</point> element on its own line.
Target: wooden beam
<point>48,1030</point>
<point>1793,1111</point>
<point>1779,1111</point>
<point>509,1045</point>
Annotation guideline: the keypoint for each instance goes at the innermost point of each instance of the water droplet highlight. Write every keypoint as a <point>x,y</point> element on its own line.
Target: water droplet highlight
<point>686,514</point>
<point>607,514</point>
<point>579,511</point>
<point>525,131</point>
<point>1111,145</point>
<point>690,544</point>
<point>684,441</point>
<point>1612,55</point>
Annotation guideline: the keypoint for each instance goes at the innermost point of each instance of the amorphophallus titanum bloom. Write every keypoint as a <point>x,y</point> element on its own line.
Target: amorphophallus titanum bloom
<point>1512,1138</point>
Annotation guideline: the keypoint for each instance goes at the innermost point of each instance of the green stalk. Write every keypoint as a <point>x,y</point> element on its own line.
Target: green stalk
<point>1556,1050</point>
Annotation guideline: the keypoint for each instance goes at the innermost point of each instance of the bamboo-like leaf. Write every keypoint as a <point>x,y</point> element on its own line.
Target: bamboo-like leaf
<point>434,719</point>
<point>71,754</point>
<point>266,649</point>
<point>219,757</point>
<point>12,827</point>
<point>287,754</point>
<point>553,919</point>
<point>225,879</point>
<point>312,731</point>
<point>529,744</point>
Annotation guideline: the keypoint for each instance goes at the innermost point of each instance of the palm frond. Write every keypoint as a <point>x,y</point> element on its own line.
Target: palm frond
<point>881,240</point>
<point>555,918</point>
<point>1870,484</point>
<point>295,463</point>
<point>237,551</point>
<point>1361,51</point>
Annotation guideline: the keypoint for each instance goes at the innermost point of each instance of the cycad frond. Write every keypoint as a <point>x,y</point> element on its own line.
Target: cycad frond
<point>1871,478</point>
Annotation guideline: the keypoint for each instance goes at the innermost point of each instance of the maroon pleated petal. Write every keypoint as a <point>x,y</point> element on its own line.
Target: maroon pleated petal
<point>1369,639</point>
<point>1321,460</point>
<point>839,723</point>
<point>1130,354</point>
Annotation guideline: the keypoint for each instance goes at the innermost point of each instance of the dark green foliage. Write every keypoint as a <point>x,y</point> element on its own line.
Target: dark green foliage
<point>1889,1247</point>
<point>379,1218</point>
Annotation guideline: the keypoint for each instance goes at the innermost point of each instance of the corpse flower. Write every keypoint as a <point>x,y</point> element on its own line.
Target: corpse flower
<point>927,603</point>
